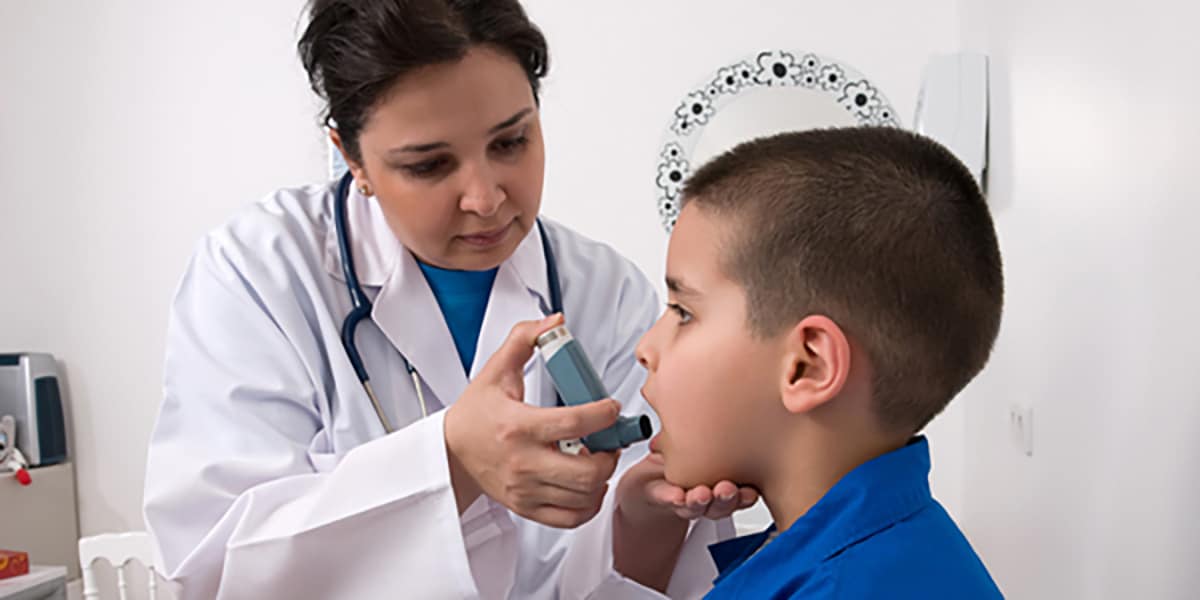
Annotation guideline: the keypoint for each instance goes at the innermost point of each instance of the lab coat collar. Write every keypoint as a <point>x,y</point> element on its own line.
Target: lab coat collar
<point>372,242</point>
<point>376,248</point>
<point>407,313</point>
<point>528,263</point>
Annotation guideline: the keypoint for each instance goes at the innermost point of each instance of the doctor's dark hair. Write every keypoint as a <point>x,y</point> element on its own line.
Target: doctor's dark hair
<point>881,230</point>
<point>355,50</point>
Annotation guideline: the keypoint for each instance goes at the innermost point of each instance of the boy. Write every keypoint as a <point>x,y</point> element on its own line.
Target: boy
<point>830,292</point>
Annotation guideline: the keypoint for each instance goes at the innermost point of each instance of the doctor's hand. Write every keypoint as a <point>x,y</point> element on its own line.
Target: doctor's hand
<point>506,449</point>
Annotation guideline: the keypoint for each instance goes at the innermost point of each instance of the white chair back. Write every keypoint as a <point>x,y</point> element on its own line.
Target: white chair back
<point>119,549</point>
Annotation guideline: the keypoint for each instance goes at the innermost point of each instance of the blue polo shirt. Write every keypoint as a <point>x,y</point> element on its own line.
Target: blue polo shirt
<point>463,297</point>
<point>878,533</point>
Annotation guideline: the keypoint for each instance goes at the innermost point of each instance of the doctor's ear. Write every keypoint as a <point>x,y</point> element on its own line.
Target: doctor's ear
<point>356,168</point>
<point>817,364</point>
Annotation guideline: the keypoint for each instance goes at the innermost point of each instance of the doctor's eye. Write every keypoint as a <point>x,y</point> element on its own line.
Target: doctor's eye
<point>685,317</point>
<point>511,145</point>
<point>427,168</point>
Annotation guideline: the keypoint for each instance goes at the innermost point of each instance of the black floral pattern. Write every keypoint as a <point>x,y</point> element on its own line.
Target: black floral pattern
<point>860,98</point>
<point>884,116</point>
<point>777,68</point>
<point>771,68</point>
<point>693,112</point>
<point>671,175</point>
<point>731,79</point>
<point>832,78</point>
<point>672,151</point>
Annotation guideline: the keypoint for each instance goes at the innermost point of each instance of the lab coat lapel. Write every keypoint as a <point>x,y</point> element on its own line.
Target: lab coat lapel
<point>520,293</point>
<point>404,309</point>
<point>374,245</point>
<point>408,314</point>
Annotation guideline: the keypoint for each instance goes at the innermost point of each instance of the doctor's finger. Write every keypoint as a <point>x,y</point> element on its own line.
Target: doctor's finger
<point>571,422</point>
<point>518,346</point>
<point>552,495</point>
<point>583,474</point>
<point>563,518</point>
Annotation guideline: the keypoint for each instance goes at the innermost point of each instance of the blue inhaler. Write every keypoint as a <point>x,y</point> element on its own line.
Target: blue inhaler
<point>577,383</point>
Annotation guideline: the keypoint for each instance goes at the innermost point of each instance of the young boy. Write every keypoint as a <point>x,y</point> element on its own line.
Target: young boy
<point>830,292</point>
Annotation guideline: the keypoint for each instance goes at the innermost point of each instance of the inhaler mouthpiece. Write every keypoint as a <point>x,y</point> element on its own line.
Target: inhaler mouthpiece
<point>577,383</point>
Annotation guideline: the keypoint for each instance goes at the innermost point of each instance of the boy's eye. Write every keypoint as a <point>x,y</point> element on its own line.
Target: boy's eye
<point>685,317</point>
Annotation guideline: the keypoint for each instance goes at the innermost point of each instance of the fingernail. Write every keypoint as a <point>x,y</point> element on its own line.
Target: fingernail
<point>726,497</point>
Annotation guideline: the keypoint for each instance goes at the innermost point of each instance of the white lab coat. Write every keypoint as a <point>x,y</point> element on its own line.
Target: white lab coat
<point>269,474</point>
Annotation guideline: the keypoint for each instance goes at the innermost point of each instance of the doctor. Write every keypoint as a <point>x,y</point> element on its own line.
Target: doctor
<point>275,472</point>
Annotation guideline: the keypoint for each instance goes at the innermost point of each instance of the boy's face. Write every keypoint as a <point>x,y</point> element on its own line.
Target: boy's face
<point>714,386</point>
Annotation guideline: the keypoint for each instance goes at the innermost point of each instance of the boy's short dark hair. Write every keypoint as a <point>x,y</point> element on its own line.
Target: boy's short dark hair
<point>881,230</point>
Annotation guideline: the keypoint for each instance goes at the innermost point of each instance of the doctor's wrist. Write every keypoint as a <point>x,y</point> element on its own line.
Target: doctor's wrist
<point>466,489</point>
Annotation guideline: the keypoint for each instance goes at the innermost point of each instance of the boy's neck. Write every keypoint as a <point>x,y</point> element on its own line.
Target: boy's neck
<point>813,463</point>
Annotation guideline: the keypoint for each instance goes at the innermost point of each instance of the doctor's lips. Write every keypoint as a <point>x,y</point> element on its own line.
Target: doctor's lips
<point>489,238</point>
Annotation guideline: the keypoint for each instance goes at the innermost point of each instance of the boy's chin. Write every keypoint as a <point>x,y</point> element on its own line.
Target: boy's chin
<point>688,478</point>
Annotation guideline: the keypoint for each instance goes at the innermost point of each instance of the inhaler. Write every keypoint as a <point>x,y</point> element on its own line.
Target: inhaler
<point>577,383</point>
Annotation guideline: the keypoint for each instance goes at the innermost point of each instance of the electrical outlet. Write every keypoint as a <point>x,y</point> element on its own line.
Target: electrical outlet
<point>1020,426</point>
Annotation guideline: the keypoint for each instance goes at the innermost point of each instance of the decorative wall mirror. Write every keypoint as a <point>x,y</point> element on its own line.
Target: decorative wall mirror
<point>770,92</point>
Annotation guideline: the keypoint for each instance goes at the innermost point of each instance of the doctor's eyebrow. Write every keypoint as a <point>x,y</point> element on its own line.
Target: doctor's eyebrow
<point>509,122</point>
<point>421,148</point>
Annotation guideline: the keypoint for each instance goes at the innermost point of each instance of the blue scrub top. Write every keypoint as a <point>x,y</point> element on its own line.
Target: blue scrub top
<point>878,533</point>
<point>463,298</point>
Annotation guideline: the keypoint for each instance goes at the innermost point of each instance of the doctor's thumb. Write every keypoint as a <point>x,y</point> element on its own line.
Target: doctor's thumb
<point>518,347</point>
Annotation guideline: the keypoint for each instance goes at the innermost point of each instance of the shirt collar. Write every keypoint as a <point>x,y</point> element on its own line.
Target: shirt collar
<point>872,497</point>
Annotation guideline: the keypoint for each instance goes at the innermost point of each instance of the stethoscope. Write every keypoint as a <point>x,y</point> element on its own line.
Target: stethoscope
<point>362,304</point>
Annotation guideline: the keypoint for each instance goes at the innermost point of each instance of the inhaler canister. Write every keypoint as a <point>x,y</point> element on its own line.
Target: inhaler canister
<point>577,383</point>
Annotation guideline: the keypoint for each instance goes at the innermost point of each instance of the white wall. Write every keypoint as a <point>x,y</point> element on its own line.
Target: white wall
<point>130,128</point>
<point>127,129</point>
<point>1093,187</point>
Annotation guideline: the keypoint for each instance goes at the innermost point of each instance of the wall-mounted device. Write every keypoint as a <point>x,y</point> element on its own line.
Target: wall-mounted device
<point>953,108</point>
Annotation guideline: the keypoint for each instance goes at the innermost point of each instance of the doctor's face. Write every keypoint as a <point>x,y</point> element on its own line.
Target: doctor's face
<point>454,156</point>
<point>712,383</point>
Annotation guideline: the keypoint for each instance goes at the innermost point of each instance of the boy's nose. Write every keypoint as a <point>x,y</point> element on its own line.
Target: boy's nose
<point>645,353</point>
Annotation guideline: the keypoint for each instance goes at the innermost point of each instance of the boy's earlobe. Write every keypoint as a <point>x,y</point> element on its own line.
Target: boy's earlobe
<point>818,364</point>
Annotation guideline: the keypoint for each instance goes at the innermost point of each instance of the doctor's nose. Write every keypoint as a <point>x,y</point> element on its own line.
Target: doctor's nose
<point>482,193</point>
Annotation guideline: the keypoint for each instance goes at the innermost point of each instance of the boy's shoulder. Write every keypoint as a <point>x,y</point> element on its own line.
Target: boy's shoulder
<point>924,555</point>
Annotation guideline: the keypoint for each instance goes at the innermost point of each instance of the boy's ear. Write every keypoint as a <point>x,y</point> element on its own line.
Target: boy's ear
<point>817,355</point>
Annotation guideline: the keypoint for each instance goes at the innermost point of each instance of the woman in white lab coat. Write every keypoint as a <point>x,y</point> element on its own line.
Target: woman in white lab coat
<point>271,475</point>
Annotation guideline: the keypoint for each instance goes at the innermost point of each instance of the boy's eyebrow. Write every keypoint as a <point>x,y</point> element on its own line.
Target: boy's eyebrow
<point>680,288</point>
<point>422,148</point>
